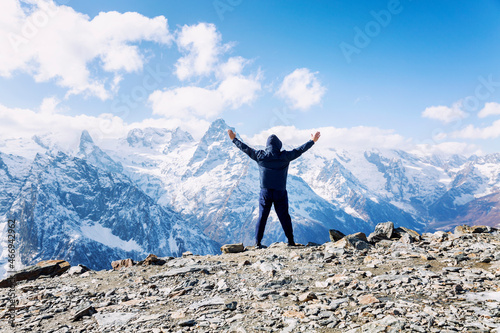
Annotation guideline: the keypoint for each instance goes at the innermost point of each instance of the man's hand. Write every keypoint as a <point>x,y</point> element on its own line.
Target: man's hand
<point>315,137</point>
<point>232,135</point>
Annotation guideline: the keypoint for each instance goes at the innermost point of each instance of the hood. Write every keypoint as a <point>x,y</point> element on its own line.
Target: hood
<point>273,144</point>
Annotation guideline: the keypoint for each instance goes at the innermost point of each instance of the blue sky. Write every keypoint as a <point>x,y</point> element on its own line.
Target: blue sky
<point>390,73</point>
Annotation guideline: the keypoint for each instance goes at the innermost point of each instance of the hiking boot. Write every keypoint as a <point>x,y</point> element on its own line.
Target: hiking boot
<point>259,246</point>
<point>292,243</point>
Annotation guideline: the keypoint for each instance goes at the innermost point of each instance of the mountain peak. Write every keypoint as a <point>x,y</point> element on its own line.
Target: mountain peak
<point>85,138</point>
<point>161,139</point>
<point>216,132</point>
<point>95,156</point>
<point>219,123</point>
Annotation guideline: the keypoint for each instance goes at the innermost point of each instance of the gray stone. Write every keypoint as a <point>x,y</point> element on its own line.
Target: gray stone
<point>411,235</point>
<point>232,248</point>
<point>207,302</point>
<point>119,264</point>
<point>43,268</point>
<point>114,318</point>
<point>152,259</point>
<point>85,310</point>
<point>187,323</point>
<point>357,236</point>
<point>383,325</point>
<point>382,231</point>
<point>335,235</point>
<point>355,241</point>
<point>181,271</point>
<point>231,305</point>
<point>440,236</point>
<point>78,269</point>
<point>308,296</point>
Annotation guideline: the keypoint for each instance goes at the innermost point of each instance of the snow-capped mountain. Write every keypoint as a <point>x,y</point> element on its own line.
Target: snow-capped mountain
<point>160,191</point>
<point>67,208</point>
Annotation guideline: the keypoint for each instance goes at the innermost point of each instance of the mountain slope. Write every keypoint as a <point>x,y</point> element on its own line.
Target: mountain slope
<point>69,209</point>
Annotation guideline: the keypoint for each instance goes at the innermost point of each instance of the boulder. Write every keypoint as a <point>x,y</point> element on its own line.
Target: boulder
<point>382,231</point>
<point>475,229</point>
<point>368,299</point>
<point>119,264</point>
<point>409,235</point>
<point>355,241</point>
<point>307,296</point>
<point>232,248</point>
<point>152,259</point>
<point>462,230</point>
<point>357,236</point>
<point>440,236</point>
<point>78,269</point>
<point>480,229</point>
<point>335,235</point>
<point>407,239</point>
<point>84,310</point>
<point>45,268</point>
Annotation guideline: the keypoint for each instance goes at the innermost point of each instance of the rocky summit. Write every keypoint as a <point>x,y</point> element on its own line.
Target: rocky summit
<point>394,280</point>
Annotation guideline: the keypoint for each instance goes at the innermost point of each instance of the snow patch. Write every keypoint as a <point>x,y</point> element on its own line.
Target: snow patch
<point>104,236</point>
<point>172,244</point>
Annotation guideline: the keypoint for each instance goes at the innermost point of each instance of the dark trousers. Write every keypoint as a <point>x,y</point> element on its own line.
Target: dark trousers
<point>280,200</point>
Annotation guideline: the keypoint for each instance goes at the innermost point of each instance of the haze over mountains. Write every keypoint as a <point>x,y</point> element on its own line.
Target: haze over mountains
<point>160,191</point>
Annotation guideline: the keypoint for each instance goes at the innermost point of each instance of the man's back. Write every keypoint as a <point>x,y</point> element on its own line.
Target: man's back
<point>273,166</point>
<point>273,162</point>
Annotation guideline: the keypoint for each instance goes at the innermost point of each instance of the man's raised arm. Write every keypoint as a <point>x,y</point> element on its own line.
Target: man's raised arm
<point>295,153</point>
<point>242,146</point>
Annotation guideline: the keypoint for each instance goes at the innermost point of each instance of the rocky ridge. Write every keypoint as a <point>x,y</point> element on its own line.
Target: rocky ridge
<point>394,280</point>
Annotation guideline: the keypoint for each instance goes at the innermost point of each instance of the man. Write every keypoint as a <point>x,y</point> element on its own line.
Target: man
<point>273,166</point>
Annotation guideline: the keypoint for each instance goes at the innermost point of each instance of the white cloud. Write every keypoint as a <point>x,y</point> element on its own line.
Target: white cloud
<point>239,90</point>
<point>358,138</point>
<point>194,126</point>
<point>490,109</point>
<point>201,44</point>
<point>65,130</point>
<point>229,88</point>
<point>50,105</point>
<point>233,66</point>
<point>53,42</point>
<point>301,89</point>
<point>447,148</point>
<point>186,102</point>
<point>472,132</point>
<point>444,113</point>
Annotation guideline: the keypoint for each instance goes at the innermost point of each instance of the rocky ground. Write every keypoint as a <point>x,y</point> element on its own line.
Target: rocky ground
<point>400,282</point>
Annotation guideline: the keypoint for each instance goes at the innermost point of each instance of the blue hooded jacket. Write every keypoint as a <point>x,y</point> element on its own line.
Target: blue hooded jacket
<point>273,162</point>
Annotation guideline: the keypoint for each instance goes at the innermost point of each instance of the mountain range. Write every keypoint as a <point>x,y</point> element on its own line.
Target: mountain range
<point>160,191</point>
